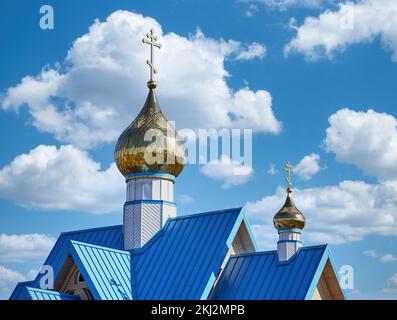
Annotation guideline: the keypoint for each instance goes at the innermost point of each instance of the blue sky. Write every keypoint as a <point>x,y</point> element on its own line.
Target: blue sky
<point>65,118</point>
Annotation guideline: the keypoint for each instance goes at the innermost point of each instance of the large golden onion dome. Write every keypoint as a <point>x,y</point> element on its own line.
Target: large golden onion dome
<point>130,148</point>
<point>289,215</point>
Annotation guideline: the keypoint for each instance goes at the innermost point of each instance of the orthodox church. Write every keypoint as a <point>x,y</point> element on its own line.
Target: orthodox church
<point>156,254</point>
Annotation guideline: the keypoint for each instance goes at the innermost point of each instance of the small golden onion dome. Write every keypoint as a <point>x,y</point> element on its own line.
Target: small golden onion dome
<point>289,216</point>
<point>130,148</point>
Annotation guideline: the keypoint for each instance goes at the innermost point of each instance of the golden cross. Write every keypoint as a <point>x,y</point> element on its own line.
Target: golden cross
<point>289,169</point>
<point>151,39</point>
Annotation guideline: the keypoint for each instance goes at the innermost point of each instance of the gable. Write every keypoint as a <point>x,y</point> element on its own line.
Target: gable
<point>71,281</point>
<point>106,271</point>
<point>261,276</point>
<point>107,236</point>
<point>328,287</point>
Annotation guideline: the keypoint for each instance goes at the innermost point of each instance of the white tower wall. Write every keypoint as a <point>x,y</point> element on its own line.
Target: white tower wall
<point>288,244</point>
<point>149,204</point>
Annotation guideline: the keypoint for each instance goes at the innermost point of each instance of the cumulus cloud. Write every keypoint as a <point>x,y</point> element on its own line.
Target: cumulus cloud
<point>308,166</point>
<point>387,257</point>
<point>230,172</point>
<point>272,170</point>
<point>286,4</point>
<point>101,86</point>
<point>336,214</point>
<point>353,22</point>
<point>185,199</point>
<point>24,247</point>
<point>367,140</point>
<point>254,50</point>
<point>391,285</point>
<point>64,178</point>
<point>8,279</point>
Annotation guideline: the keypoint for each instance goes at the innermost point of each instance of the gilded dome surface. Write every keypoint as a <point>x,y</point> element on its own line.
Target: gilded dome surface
<point>131,146</point>
<point>289,215</point>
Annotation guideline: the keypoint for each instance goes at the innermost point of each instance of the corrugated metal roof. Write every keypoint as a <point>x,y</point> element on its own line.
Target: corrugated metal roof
<point>260,276</point>
<point>110,237</point>
<point>182,261</point>
<point>106,236</point>
<point>107,271</point>
<point>40,294</point>
<point>20,292</point>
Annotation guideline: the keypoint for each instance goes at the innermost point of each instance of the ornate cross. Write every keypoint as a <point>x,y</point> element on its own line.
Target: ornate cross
<point>151,39</point>
<point>289,169</point>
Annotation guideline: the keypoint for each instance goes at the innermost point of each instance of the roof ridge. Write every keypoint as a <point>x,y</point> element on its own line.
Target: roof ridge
<point>199,214</point>
<point>324,245</point>
<point>275,251</point>
<point>254,253</point>
<point>91,229</point>
<point>99,247</point>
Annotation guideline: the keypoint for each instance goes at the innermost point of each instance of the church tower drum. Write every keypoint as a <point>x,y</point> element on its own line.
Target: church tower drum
<point>289,222</point>
<point>150,156</point>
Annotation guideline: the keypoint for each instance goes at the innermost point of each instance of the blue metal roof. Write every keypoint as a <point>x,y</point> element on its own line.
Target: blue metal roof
<point>183,259</point>
<point>180,262</point>
<point>29,293</point>
<point>107,271</point>
<point>20,292</point>
<point>110,237</point>
<point>261,276</point>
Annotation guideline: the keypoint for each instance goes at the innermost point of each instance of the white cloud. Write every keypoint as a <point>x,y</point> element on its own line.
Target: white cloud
<point>8,279</point>
<point>272,169</point>
<point>185,199</point>
<point>231,172</point>
<point>367,140</point>
<point>254,50</point>
<point>388,257</point>
<point>24,247</point>
<point>337,214</point>
<point>351,210</point>
<point>64,178</point>
<point>391,285</point>
<point>251,10</point>
<point>370,253</point>
<point>102,85</point>
<point>286,4</point>
<point>308,166</point>
<point>352,23</point>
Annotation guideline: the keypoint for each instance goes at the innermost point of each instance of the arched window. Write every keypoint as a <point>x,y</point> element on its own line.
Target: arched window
<point>78,277</point>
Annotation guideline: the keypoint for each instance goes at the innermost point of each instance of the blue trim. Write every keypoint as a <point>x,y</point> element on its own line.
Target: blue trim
<point>283,241</point>
<point>208,287</point>
<point>82,269</point>
<point>150,174</point>
<point>286,230</point>
<point>240,219</point>
<point>332,262</point>
<point>250,233</point>
<point>234,231</point>
<point>317,275</point>
<point>127,203</point>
